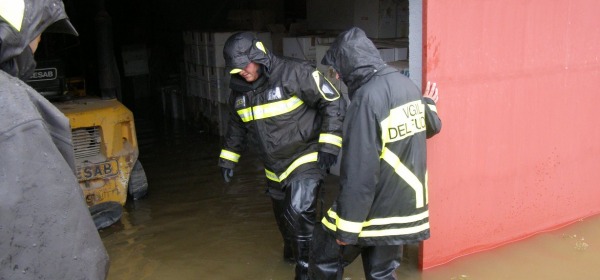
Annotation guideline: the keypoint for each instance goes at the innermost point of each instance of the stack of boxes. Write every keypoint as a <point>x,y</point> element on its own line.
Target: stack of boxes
<point>207,79</point>
<point>304,47</point>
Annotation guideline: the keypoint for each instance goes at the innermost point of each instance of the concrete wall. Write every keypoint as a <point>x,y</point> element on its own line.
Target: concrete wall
<point>415,39</point>
<point>519,151</point>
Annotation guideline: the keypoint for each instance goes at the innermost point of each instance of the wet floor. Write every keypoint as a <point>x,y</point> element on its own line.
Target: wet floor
<point>194,226</point>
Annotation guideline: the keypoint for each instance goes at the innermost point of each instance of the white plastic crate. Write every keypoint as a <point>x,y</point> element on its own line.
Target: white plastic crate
<point>303,47</point>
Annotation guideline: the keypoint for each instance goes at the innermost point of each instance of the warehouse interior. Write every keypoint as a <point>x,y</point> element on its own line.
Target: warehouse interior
<point>169,56</point>
<point>172,77</point>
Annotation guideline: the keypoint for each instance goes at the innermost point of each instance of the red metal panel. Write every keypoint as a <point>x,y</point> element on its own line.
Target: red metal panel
<point>519,151</point>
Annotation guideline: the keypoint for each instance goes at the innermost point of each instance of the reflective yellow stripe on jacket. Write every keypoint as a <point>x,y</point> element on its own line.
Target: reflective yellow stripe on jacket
<point>229,155</point>
<point>270,110</point>
<point>363,228</point>
<point>330,139</point>
<point>312,157</point>
<point>406,175</point>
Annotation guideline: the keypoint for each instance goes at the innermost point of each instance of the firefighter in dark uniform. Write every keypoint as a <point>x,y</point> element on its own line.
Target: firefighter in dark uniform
<point>46,230</point>
<point>295,116</point>
<point>382,202</point>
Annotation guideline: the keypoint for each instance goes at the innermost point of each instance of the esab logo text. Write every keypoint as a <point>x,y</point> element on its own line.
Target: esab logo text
<point>43,74</point>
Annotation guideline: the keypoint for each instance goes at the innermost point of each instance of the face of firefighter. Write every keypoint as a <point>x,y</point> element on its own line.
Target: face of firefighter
<point>250,73</point>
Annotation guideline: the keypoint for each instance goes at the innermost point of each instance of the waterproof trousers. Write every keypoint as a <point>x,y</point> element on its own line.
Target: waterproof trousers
<point>328,259</point>
<point>300,217</point>
<point>278,209</point>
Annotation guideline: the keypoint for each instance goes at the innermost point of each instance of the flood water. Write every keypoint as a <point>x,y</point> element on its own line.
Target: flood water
<point>194,226</point>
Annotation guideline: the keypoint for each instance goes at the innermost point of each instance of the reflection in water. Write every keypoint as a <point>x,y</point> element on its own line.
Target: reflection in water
<point>194,226</point>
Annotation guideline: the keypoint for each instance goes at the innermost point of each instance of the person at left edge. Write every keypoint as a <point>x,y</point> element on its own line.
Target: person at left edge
<point>295,115</point>
<point>46,230</point>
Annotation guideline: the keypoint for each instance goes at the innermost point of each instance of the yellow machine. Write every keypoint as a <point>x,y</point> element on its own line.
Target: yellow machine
<point>104,142</point>
<point>103,130</point>
<point>105,147</point>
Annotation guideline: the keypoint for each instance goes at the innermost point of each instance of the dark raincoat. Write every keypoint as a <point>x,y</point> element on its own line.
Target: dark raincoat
<point>383,195</point>
<point>292,111</point>
<point>46,230</point>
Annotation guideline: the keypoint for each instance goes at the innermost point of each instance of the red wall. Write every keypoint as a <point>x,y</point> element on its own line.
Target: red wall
<point>519,151</point>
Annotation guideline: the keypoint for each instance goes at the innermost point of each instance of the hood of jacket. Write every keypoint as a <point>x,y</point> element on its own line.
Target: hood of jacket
<point>242,48</point>
<point>354,57</point>
<point>21,21</point>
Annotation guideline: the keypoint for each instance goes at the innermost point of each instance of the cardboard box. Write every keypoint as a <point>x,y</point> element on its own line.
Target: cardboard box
<point>387,54</point>
<point>376,18</point>
<point>303,47</point>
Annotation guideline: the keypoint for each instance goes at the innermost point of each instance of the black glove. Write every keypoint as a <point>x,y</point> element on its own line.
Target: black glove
<point>326,160</point>
<point>227,174</point>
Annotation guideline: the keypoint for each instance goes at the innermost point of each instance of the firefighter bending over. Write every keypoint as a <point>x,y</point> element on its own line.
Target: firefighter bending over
<point>295,116</point>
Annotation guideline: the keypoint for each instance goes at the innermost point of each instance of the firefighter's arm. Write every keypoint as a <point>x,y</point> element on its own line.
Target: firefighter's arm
<point>432,120</point>
<point>235,139</point>
<point>360,166</point>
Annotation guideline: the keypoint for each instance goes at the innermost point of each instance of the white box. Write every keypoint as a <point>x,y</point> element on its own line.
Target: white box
<point>376,18</point>
<point>303,47</point>
<point>387,54</point>
<point>401,54</point>
<point>205,38</point>
<point>297,47</point>
<point>400,48</point>
<point>197,37</point>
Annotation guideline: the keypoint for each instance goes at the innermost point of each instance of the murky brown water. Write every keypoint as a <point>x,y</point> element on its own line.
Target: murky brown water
<point>194,226</point>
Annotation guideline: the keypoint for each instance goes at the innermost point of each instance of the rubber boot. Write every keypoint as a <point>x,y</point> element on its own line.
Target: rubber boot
<point>288,254</point>
<point>301,252</point>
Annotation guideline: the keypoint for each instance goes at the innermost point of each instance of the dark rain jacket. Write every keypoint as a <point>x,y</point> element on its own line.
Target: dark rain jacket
<point>291,111</point>
<point>383,195</point>
<point>46,230</point>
